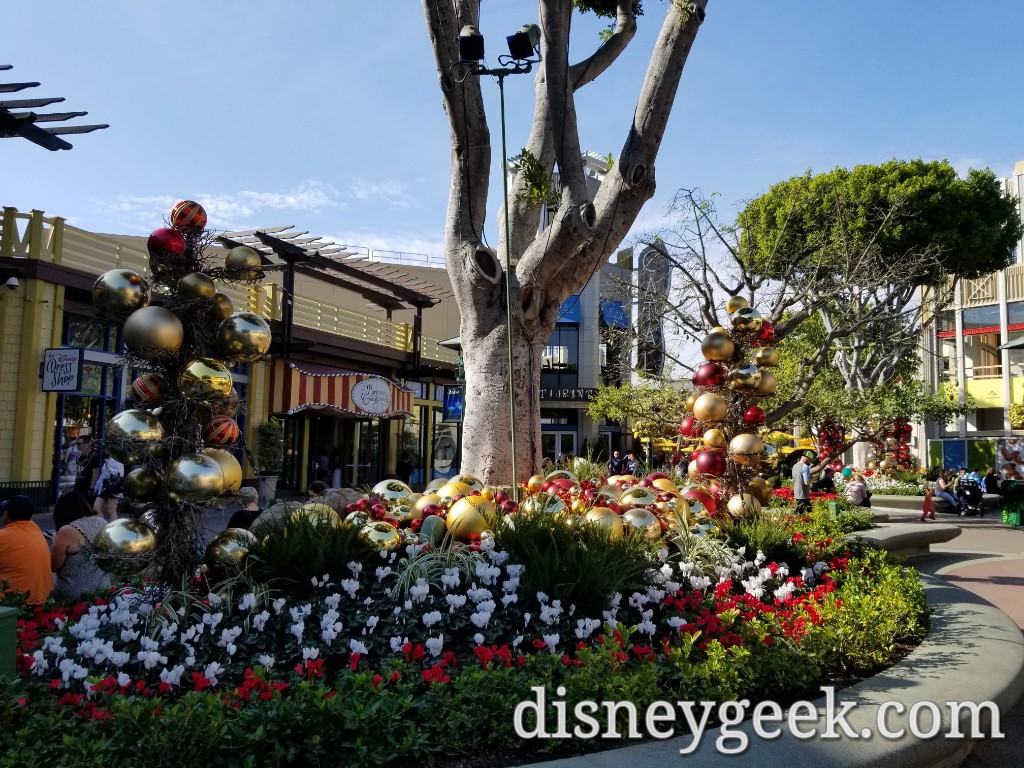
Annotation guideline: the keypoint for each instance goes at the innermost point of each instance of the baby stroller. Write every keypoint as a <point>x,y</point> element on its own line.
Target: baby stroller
<point>970,492</point>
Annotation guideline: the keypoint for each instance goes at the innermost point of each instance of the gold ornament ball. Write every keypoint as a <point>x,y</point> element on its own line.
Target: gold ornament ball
<point>666,485</point>
<point>151,332</point>
<point>196,285</point>
<point>759,489</point>
<point>561,474</point>
<point>766,386</point>
<point>714,438</point>
<point>424,501</point>
<point>243,337</point>
<point>392,491</point>
<point>644,521</point>
<point>535,483</point>
<point>612,491</point>
<point>204,379</point>
<point>770,457</point>
<point>607,519</point>
<point>243,262</point>
<point>746,444</point>
<point>133,436</point>
<point>546,503</point>
<point>883,464</point>
<point>767,357</point>
<point>450,490</point>
<point>434,485</point>
<point>227,551</point>
<point>120,291</point>
<point>734,303</point>
<point>195,478</point>
<point>142,484</point>
<point>717,346</point>
<point>747,320</point>
<point>638,496</point>
<point>358,518</point>
<point>692,471</point>
<point>710,408</point>
<point>122,546</point>
<point>690,401</point>
<point>872,465</point>
<point>320,514</point>
<point>743,505</point>
<point>744,377</point>
<point>223,308</point>
<point>384,536</point>
<point>229,467</point>
<point>470,515</point>
<point>404,514</point>
<point>469,480</point>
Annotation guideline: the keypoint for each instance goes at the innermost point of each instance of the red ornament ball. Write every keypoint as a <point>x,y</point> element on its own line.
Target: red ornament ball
<point>767,331</point>
<point>221,430</point>
<point>148,388</point>
<point>166,241</point>
<point>754,415</point>
<point>711,462</point>
<point>686,426</point>
<point>701,496</point>
<point>188,216</point>
<point>709,375</point>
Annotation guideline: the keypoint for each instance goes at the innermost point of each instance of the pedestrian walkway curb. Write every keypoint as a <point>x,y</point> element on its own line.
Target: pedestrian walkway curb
<point>973,653</point>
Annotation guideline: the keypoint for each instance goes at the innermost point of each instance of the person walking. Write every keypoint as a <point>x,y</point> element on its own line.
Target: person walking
<point>928,507</point>
<point>802,483</point>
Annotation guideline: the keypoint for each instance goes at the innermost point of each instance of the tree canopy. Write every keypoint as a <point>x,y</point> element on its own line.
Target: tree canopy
<point>898,208</point>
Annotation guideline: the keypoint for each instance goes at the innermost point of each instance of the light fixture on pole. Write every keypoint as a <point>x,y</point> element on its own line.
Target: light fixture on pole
<point>522,47</point>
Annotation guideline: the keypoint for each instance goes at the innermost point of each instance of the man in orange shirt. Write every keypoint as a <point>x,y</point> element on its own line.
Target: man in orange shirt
<point>24,556</point>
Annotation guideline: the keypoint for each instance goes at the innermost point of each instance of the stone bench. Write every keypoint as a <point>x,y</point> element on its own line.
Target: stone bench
<point>903,540</point>
<point>990,501</point>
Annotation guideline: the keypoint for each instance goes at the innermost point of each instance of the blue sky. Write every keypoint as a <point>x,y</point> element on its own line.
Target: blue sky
<point>326,115</point>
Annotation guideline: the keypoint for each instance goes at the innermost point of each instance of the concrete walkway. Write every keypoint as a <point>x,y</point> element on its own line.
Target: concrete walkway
<point>988,560</point>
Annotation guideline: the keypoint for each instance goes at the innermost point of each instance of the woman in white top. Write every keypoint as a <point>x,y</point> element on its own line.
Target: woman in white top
<point>108,488</point>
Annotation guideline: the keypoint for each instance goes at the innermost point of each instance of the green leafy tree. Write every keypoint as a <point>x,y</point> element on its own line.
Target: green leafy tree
<point>652,407</point>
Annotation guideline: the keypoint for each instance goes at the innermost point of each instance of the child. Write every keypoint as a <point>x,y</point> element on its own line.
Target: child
<point>928,508</point>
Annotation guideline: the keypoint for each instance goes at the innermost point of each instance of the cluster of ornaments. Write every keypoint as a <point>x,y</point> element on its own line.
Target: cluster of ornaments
<point>162,318</point>
<point>830,442</point>
<point>723,417</point>
<point>893,450</point>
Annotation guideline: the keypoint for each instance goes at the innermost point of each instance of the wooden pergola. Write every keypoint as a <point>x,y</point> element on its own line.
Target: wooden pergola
<point>19,120</point>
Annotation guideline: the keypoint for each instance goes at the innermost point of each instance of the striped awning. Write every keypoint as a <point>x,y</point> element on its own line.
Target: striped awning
<point>300,386</point>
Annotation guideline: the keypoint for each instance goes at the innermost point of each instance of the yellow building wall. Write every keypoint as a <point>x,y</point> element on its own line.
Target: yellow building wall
<point>985,393</point>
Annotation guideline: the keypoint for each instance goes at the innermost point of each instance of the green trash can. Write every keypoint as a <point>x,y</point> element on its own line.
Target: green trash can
<point>8,642</point>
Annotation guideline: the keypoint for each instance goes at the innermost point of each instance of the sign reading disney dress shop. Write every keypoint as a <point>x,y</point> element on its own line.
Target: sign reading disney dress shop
<point>372,396</point>
<point>62,369</point>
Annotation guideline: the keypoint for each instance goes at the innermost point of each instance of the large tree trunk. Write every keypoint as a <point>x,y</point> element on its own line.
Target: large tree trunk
<point>582,234</point>
<point>487,433</point>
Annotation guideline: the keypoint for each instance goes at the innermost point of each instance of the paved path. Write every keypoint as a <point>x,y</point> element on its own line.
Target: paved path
<point>987,559</point>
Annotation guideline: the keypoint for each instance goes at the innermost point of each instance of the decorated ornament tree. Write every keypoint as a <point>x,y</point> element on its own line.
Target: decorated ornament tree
<point>723,417</point>
<point>830,444</point>
<point>182,335</point>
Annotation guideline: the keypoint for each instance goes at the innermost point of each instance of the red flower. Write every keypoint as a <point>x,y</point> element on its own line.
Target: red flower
<point>435,675</point>
<point>353,661</point>
<point>377,680</point>
<point>396,676</point>
<point>200,682</point>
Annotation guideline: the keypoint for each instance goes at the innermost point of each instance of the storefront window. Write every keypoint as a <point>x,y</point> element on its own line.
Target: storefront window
<point>444,448</point>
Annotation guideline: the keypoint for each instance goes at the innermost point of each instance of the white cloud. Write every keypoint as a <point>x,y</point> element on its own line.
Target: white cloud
<point>393,192</point>
<point>226,210</point>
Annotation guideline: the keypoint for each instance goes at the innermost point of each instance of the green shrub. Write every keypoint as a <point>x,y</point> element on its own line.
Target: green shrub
<point>575,564</point>
<point>771,536</point>
<point>300,548</point>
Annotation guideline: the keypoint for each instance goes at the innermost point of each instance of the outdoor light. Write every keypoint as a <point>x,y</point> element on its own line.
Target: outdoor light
<point>471,44</point>
<point>523,43</point>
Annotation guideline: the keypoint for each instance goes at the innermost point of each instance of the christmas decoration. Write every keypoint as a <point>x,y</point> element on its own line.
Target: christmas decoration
<point>119,291</point>
<point>188,216</point>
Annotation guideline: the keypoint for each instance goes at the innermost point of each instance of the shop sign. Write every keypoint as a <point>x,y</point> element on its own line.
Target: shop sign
<point>372,396</point>
<point>584,393</point>
<point>62,369</point>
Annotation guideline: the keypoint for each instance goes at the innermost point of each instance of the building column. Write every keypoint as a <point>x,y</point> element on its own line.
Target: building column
<point>961,387</point>
<point>1004,354</point>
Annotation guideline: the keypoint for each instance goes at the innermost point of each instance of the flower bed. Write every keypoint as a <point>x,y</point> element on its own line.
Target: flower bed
<point>379,665</point>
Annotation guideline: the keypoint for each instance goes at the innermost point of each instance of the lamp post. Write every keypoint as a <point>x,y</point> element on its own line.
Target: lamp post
<point>522,46</point>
